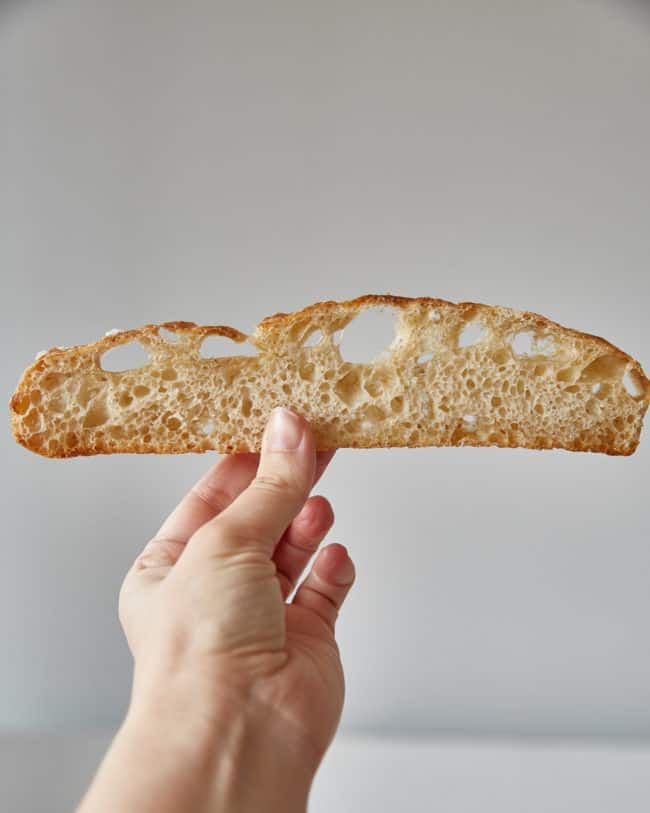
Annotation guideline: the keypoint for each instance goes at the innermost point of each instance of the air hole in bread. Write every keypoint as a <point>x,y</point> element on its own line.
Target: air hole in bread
<point>33,420</point>
<point>569,374</point>
<point>60,407</point>
<point>87,390</point>
<point>469,423</point>
<point>500,356</point>
<point>215,346</point>
<point>373,414</point>
<point>522,343</point>
<point>372,387</point>
<point>169,374</point>
<point>348,388</point>
<point>51,381</point>
<point>529,343</point>
<point>314,338</point>
<point>368,335</point>
<point>168,335</point>
<point>140,390</point>
<point>173,423</point>
<point>633,384</point>
<point>38,440</point>
<point>129,356</point>
<point>471,334</point>
<point>97,415</point>
<point>423,358</point>
<point>20,404</point>
<point>605,368</point>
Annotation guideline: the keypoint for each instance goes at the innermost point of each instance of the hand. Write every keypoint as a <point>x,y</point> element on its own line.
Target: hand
<point>242,680</point>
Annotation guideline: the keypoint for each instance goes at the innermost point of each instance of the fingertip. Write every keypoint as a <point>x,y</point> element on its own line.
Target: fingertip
<point>335,565</point>
<point>288,444</point>
<point>327,584</point>
<point>287,431</point>
<point>317,514</point>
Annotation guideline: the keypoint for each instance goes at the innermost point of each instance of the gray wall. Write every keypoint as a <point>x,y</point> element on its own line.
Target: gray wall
<point>219,162</point>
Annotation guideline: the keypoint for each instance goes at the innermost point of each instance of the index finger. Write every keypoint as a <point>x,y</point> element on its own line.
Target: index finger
<point>216,490</point>
<point>261,513</point>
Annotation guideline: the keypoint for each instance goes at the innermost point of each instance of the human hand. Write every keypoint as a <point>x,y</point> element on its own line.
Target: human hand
<point>225,670</point>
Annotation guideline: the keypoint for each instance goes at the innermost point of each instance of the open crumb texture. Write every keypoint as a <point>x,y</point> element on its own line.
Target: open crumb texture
<point>453,375</point>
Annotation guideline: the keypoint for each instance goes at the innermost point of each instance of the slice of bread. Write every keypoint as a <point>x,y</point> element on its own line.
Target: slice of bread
<point>431,387</point>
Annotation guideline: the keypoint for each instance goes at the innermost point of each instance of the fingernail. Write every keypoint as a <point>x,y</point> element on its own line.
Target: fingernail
<point>284,431</point>
<point>345,573</point>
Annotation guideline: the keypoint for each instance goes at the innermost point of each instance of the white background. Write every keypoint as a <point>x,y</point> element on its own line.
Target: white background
<point>218,162</point>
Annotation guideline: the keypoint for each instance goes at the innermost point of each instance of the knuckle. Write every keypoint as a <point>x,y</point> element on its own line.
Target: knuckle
<point>305,544</point>
<point>215,498</point>
<point>158,553</point>
<point>254,562</point>
<point>274,483</point>
<point>239,536</point>
<point>327,603</point>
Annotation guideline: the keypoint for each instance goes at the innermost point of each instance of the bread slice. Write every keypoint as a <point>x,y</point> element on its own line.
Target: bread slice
<point>431,387</point>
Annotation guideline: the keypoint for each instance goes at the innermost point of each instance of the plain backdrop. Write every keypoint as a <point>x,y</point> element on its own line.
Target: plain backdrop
<point>218,162</point>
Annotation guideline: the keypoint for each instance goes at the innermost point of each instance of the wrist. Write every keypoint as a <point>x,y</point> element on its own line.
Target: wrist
<point>240,752</point>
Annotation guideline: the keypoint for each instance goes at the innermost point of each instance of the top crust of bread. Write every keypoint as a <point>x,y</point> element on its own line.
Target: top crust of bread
<point>573,398</point>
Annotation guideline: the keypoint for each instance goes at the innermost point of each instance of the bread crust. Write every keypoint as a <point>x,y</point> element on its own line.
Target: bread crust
<point>268,337</point>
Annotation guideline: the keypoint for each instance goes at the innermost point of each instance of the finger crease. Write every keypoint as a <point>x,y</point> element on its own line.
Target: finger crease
<point>322,595</point>
<point>309,548</point>
<point>216,501</point>
<point>167,540</point>
<point>156,553</point>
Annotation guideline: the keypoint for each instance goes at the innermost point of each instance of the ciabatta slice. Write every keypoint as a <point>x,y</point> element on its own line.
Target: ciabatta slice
<point>566,390</point>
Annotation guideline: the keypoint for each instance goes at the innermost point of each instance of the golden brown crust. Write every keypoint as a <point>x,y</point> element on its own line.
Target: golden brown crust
<point>86,358</point>
<point>278,320</point>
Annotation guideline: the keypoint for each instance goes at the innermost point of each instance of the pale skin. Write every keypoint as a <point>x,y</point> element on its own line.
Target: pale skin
<point>236,693</point>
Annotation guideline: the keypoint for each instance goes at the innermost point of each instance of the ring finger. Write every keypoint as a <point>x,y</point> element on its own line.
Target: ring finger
<point>300,541</point>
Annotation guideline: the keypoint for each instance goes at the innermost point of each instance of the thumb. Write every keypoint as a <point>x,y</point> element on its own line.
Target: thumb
<point>256,520</point>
